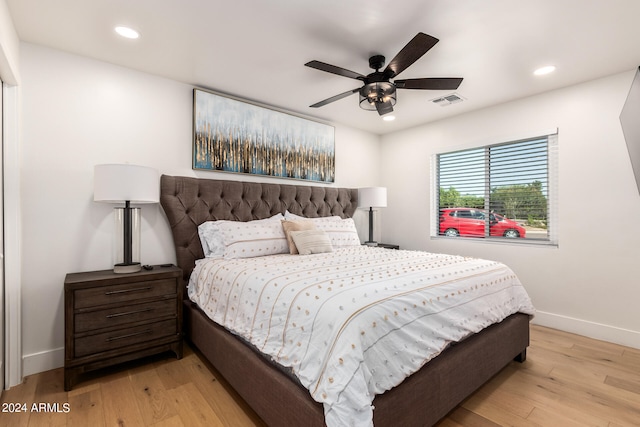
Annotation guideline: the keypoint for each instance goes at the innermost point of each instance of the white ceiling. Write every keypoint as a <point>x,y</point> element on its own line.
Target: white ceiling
<point>256,49</point>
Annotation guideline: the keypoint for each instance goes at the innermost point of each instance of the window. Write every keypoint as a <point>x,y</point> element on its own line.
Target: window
<point>500,192</point>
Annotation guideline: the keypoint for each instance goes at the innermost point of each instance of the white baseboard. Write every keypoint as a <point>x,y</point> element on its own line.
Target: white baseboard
<point>43,361</point>
<point>589,329</point>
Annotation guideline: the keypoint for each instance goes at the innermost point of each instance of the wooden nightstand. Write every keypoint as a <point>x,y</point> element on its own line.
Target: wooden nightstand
<point>113,318</point>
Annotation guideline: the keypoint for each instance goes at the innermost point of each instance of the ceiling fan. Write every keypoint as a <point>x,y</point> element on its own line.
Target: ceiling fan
<point>379,92</point>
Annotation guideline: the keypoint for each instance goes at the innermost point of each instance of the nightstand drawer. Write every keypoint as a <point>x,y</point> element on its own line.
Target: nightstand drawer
<point>123,337</point>
<point>124,314</point>
<point>128,292</point>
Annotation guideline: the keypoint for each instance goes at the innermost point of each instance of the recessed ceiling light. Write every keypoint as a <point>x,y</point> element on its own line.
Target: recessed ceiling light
<point>388,118</point>
<point>127,32</point>
<point>545,70</point>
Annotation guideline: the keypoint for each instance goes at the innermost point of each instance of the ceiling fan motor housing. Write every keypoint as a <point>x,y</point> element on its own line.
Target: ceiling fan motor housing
<point>376,62</point>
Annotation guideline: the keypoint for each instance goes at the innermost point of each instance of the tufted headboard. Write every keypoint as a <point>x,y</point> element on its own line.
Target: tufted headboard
<point>188,202</point>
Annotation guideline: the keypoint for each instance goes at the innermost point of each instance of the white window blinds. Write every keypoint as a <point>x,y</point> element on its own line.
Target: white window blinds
<point>502,191</point>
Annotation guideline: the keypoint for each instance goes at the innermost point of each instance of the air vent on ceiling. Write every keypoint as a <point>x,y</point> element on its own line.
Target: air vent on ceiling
<point>448,100</point>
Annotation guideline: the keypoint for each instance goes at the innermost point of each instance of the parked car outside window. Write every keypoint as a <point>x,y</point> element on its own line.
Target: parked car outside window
<point>469,222</point>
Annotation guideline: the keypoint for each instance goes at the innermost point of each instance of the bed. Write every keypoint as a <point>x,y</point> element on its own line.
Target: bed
<point>277,396</point>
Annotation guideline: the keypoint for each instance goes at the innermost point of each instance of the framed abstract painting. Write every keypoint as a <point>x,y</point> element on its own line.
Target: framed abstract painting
<point>230,135</point>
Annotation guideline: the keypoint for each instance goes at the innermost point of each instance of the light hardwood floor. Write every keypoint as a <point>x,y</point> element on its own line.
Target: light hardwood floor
<point>567,380</point>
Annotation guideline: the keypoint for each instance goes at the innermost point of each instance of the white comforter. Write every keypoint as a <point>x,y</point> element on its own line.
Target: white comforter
<point>355,322</point>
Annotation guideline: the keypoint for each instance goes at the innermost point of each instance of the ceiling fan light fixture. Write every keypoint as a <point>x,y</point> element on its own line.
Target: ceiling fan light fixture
<point>372,93</point>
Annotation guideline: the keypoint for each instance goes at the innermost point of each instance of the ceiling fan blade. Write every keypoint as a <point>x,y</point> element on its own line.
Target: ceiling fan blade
<point>384,107</point>
<point>448,83</point>
<point>418,46</point>
<point>334,98</point>
<point>335,70</point>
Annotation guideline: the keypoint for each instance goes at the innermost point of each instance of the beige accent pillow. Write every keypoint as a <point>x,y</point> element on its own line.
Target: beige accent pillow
<point>297,225</point>
<point>311,241</point>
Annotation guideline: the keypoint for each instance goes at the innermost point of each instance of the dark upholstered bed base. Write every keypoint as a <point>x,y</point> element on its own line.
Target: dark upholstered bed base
<point>421,400</point>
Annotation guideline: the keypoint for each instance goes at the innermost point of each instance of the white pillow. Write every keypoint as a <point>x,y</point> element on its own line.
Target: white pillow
<point>341,232</point>
<point>211,240</point>
<point>311,241</point>
<point>288,215</point>
<point>291,216</point>
<point>253,239</point>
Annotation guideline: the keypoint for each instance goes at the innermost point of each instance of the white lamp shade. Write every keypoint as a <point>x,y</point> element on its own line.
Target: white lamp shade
<point>372,197</point>
<point>115,183</point>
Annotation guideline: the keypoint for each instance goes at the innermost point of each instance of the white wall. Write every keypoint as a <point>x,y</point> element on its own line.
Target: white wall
<point>589,283</point>
<point>78,112</point>
<point>9,47</point>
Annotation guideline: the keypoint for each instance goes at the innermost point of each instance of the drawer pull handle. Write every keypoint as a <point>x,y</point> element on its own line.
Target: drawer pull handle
<point>126,291</point>
<point>128,313</point>
<point>146,331</point>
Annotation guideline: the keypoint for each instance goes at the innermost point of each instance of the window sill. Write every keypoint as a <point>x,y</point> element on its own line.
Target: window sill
<point>500,241</point>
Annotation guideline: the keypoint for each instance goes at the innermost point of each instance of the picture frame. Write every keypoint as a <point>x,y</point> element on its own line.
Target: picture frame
<point>231,135</point>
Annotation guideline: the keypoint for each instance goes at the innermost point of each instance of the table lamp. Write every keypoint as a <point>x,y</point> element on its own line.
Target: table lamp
<point>372,197</point>
<point>125,183</point>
